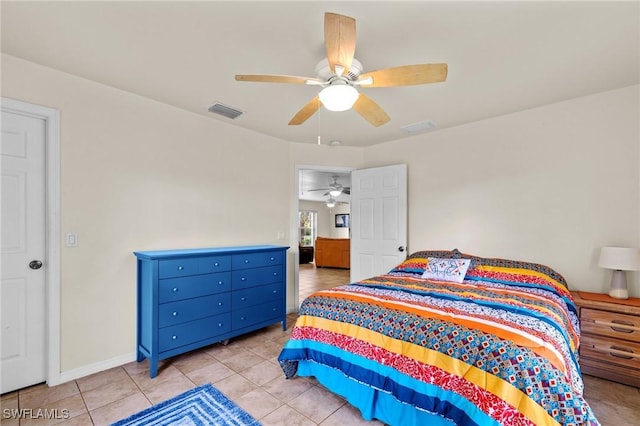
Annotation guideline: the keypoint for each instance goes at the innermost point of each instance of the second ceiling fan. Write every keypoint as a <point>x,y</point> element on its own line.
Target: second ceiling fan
<point>340,73</point>
<point>335,188</point>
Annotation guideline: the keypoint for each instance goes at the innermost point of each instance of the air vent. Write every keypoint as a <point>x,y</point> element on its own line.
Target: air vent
<point>422,126</point>
<point>225,110</point>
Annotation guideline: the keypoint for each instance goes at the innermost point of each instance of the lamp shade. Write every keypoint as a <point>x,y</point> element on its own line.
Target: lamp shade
<point>620,258</point>
<point>338,97</point>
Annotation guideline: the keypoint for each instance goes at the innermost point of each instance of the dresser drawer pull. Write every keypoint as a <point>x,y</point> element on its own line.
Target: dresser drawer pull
<point>220,324</point>
<point>246,261</point>
<point>275,291</point>
<point>220,283</point>
<point>272,258</point>
<point>275,274</point>
<point>624,353</point>
<point>620,326</point>
<point>174,337</point>
<point>216,264</point>
<point>241,318</point>
<point>175,289</point>
<point>174,313</point>
<point>180,268</point>
<point>220,303</point>
<point>243,279</point>
<point>243,298</point>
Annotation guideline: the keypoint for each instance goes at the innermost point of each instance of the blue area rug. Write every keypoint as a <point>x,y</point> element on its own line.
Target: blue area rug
<point>202,406</point>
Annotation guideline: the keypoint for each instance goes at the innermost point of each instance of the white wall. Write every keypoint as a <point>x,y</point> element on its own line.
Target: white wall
<point>138,175</point>
<point>326,218</point>
<point>549,185</point>
<point>333,231</point>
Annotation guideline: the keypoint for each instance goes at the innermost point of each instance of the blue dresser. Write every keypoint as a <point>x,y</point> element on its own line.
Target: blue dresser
<point>195,297</point>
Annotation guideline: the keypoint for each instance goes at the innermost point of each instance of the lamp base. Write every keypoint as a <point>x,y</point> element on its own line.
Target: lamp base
<point>618,289</point>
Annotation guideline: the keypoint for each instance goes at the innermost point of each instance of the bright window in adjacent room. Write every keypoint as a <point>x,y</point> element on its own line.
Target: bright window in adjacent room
<point>307,227</point>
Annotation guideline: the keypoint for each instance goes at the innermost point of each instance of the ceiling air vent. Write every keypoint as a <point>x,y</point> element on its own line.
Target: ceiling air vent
<point>225,110</point>
<point>422,126</point>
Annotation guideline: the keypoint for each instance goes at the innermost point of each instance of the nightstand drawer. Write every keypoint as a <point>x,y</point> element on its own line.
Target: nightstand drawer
<point>611,324</point>
<point>611,351</point>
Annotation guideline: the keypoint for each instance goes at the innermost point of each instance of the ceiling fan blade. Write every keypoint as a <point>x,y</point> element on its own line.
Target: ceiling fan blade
<point>406,75</point>
<point>340,40</point>
<point>370,110</point>
<point>275,78</point>
<point>307,111</point>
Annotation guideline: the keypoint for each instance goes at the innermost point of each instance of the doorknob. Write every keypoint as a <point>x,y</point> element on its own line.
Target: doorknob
<point>35,264</point>
<point>400,249</point>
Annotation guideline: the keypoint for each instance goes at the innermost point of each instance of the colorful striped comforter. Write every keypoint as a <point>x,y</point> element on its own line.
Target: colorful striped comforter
<point>500,348</point>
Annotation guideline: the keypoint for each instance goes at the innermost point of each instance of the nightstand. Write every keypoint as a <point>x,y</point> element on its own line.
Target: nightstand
<point>610,340</point>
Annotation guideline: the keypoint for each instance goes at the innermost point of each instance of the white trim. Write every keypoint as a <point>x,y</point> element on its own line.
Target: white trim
<point>97,367</point>
<point>51,118</point>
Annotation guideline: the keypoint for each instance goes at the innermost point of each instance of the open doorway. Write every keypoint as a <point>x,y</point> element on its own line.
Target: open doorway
<point>323,208</point>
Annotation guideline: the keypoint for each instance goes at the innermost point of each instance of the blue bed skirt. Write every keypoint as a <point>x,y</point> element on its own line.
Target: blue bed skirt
<point>372,403</point>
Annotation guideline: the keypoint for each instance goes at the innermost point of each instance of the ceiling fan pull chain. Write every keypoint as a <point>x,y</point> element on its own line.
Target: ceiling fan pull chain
<point>319,113</point>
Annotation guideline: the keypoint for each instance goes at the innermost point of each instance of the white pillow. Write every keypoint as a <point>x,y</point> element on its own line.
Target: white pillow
<point>453,270</point>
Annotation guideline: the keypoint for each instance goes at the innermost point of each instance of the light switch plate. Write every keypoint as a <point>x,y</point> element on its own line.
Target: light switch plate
<point>71,239</point>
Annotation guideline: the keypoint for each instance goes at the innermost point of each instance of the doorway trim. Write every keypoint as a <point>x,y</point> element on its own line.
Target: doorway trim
<point>294,226</point>
<point>51,118</point>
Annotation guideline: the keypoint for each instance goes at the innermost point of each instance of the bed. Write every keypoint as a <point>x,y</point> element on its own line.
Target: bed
<point>447,338</point>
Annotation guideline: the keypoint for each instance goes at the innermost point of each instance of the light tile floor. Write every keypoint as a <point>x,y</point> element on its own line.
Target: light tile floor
<point>247,371</point>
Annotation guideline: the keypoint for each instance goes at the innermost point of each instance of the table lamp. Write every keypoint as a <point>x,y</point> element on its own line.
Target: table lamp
<point>620,259</point>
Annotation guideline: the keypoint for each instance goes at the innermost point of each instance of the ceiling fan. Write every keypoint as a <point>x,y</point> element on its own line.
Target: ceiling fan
<point>340,73</point>
<point>331,202</point>
<point>334,188</point>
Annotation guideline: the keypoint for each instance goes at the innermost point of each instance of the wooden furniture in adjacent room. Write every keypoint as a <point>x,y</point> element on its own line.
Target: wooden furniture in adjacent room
<point>333,252</point>
<point>610,341</point>
<point>306,254</point>
<point>195,297</point>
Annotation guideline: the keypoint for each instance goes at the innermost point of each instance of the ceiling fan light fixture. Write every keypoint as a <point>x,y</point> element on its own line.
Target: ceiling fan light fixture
<point>331,203</point>
<point>340,97</point>
<point>335,192</point>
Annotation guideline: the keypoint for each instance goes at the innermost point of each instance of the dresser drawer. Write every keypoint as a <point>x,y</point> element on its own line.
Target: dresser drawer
<point>194,331</point>
<point>611,351</point>
<point>256,260</point>
<point>173,289</point>
<point>256,277</point>
<point>184,267</point>
<point>266,311</point>
<point>611,324</point>
<point>191,309</point>
<point>257,295</point>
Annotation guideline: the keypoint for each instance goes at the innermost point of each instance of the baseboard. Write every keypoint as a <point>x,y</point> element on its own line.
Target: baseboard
<point>97,367</point>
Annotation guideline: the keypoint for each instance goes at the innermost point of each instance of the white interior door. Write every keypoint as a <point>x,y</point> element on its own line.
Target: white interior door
<point>23,297</point>
<point>378,220</point>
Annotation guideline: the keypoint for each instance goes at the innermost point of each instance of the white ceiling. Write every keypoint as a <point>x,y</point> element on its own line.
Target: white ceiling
<point>503,56</point>
<point>310,181</point>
